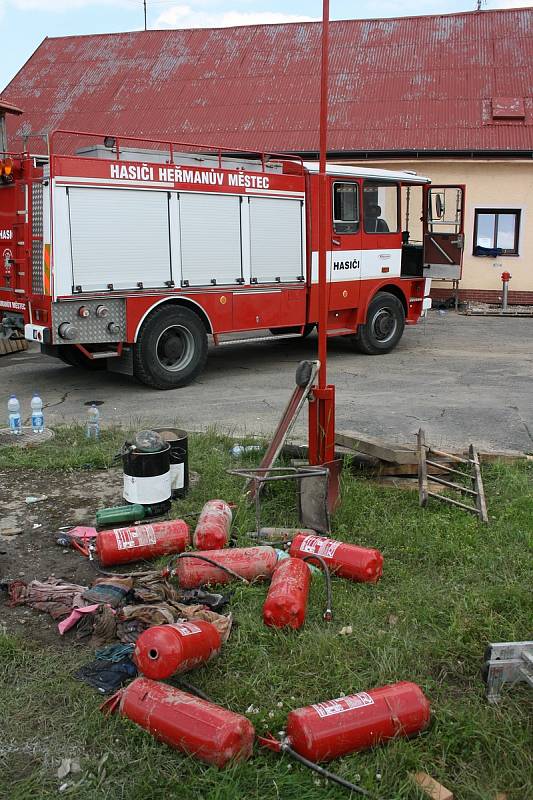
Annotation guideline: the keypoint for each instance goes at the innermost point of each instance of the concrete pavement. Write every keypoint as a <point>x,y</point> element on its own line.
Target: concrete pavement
<point>465,379</point>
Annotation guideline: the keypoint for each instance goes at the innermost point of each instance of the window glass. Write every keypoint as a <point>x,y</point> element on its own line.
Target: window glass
<point>380,207</point>
<point>496,230</point>
<point>485,230</point>
<point>345,208</point>
<point>506,231</point>
<point>445,208</point>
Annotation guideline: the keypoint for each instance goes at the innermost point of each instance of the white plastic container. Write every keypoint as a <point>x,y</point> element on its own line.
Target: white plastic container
<point>92,430</point>
<point>15,421</point>
<point>37,416</point>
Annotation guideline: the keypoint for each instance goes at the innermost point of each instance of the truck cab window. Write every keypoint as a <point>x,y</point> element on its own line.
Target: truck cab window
<point>380,207</point>
<point>345,207</point>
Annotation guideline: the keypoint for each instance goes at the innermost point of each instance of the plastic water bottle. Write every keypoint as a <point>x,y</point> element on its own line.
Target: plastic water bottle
<point>93,423</point>
<point>15,422</point>
<point>37,416</point>
<point>242,449</point>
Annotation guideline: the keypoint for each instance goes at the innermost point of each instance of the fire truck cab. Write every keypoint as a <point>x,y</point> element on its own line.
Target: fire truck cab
<point>129,255</point>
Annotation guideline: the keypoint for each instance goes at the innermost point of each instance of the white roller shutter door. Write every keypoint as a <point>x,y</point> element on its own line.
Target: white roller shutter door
<point>210,230</point>
<point>276,239</point>
<point>119,237</point>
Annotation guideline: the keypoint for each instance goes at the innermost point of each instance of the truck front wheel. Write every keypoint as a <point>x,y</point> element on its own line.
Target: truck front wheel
<point>384,326</point>
<point>171,349</point>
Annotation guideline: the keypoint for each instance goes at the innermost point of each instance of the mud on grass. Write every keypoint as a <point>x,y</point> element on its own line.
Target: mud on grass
<point>450,586</point>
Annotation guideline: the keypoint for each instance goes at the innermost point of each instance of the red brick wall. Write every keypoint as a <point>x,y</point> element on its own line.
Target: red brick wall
<point>484,296</point>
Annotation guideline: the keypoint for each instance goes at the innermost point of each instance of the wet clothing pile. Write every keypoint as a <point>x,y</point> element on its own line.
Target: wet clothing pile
<point>133,620</point>
<point>111,614</point>
<point>53,596</point>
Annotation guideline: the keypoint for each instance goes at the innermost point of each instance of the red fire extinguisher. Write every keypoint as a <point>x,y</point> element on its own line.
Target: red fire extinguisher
<point>140,542</point>
<point>328,730</point>
<point>346,560</point>
<point>194,726</point>
<point>195,569</point>
<point>213,527</point>
<point>334,728</point>
<point>163,650</point>
<point>286,601</point>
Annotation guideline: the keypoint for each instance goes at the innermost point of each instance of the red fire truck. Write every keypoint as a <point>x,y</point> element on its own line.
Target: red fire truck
<point>129,255</point>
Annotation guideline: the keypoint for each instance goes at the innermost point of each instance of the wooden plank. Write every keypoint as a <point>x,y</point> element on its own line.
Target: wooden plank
<point>430,786</point>
<point>409,484</point>
<point>480,499</point>
<point>407,470</point>
<point>446,468</point>
<point>472,509</point>
<point>423,493</point>
<point>455,486</point>
<point>363,443</point>
<point>449,456</point>
<point>8,346</point>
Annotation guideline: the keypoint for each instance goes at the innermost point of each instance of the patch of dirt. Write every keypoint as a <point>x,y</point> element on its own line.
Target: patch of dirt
<point>73,498</point>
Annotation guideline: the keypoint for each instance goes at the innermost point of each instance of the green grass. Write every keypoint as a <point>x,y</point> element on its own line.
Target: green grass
<point>450,586</point>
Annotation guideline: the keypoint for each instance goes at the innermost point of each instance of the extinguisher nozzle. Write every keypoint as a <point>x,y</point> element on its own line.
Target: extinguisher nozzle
<point>328,615</point>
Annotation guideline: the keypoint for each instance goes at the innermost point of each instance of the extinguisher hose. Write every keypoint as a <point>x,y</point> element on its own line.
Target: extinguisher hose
<point>143,574</point>
<point>208,561</point>
<point>100,571</point>
<point>331,776</point>
<point>328,613</point>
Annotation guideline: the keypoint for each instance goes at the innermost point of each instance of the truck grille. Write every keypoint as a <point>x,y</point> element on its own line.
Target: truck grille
<point>37,238</point>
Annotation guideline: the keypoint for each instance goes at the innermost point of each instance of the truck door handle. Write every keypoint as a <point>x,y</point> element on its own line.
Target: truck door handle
<point>336,242</point>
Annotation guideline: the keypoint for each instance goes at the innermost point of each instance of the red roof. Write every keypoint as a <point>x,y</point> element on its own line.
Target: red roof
<point>406,84</point>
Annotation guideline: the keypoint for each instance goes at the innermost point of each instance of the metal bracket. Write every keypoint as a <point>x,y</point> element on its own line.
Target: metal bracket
<point>313,483</point>
<point>507,662</point>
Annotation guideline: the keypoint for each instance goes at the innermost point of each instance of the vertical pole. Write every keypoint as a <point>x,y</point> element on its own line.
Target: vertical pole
<point>323,202</point>
<point>322,404</point>
<point>144,4</point>
<point>505,295</point>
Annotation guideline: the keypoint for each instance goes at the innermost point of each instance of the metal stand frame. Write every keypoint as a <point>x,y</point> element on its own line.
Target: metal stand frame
<point>507,662</point>
<point>312,504</point>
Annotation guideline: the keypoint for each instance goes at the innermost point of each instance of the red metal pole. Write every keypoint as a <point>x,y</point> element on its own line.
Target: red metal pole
<point>323,202</point>
<point>322,405</point>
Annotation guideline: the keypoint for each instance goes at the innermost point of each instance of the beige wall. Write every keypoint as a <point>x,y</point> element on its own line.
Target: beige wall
<point>489,184</point>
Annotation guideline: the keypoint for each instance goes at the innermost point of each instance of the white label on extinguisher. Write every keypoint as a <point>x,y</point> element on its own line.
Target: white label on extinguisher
<point>188,628</point>
<point>319,546</point>
<point>342,704</point>
<point>128,538</point>
<point>177,474</point>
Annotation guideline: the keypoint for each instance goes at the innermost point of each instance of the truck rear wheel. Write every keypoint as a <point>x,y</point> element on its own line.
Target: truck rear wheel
<point>171,349</point>
<point>384,325</point>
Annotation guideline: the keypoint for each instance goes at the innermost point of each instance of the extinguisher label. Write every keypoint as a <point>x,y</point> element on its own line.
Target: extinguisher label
<point>342,704</point>
<point>319,546</point>
<point>188,628</point>
<point>128,538</point>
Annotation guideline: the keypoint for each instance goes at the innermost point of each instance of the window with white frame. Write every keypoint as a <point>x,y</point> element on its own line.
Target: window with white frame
<point>496,232</point>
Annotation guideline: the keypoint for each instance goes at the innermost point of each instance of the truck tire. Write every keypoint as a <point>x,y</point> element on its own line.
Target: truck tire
<point>384,325</point>
<point>171,349</point>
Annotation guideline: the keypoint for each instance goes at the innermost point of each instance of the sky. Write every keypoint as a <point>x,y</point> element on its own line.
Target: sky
<point>25,23</point>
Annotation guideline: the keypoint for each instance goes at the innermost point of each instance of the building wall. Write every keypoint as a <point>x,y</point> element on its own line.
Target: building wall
<point>490,184</point>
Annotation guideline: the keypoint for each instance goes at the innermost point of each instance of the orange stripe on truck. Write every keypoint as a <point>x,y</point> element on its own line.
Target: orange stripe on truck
<point>47,282</point>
